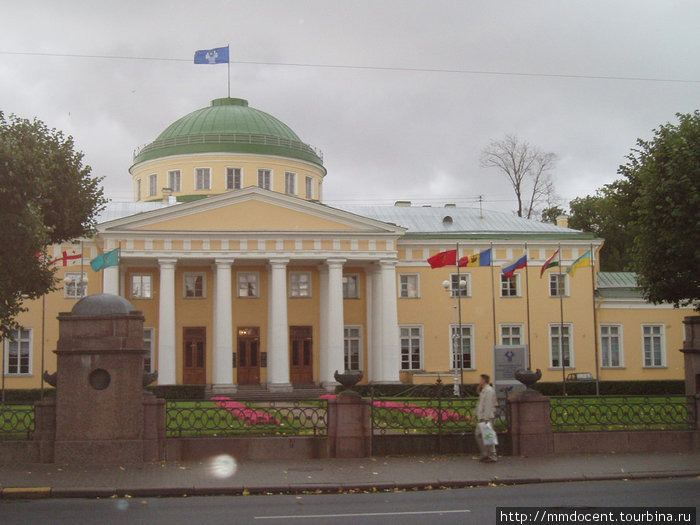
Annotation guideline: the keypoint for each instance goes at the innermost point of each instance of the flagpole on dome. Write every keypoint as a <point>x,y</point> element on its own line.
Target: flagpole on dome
<point>595,325</point>
<point>228,65</point>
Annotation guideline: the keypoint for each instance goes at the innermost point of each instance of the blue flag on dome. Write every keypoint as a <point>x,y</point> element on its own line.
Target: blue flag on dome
<point>218,55</point>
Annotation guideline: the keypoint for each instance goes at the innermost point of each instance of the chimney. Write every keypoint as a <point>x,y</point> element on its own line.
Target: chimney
<point>402,204</point>
<point>167,193</point>
<point>563,221</point>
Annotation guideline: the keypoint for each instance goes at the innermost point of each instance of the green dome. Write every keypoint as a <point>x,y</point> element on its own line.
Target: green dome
<point>228,126</point>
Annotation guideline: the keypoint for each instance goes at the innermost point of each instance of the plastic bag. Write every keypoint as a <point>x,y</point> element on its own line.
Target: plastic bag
<point>488,434</point>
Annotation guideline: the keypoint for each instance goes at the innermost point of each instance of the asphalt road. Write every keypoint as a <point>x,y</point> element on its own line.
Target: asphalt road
<point>472,505</point>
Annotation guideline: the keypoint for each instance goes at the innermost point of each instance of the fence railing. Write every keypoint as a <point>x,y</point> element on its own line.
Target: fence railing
<point>230,418</point>
<point>588,413</point>
<point>16,421</point>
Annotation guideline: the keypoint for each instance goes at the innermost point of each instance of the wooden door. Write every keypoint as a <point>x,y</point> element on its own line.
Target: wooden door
<point>301,357</point>
<point>194,356</point>
<point>248,356</point>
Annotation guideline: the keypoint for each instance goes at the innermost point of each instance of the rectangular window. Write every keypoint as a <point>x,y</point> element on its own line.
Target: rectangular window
<point>510,286</point>
<point>18,353</point>
<point>233,179</point>
<point>511,334</point>
<point>352,347</point>
<point>558,285</point>
<point>351,286</point>
<point>175,181</point>
<point>194,286</point>
<point>138,190</point>
<point>409,285</point>
<point>466,355</point>
<point>74,285</point>
<point>560,342</point>
<point>299,284</point>
<point>411,345</point>
<point>460,284</point>
<point>248,284</point>
<point>611,345</point>
<point>654,345</point>
<point>265,179</point>
<point>290,183</point>
<point>149,344</point>
<point>309,188</point>
<point>202,179</point>
<point>141,286</point>
<point>152,185</point>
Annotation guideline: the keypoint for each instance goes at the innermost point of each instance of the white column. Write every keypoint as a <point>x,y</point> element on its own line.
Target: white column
<point>166,323</point>
<point>278,329</point>
<point>332,358</point>
<point>222,370</point>
<point>110,280</point>
<point>374,323</point>
<point>388,361</point>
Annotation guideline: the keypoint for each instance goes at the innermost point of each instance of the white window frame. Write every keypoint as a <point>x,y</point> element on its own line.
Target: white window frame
<point>19,340</point>
<point>175,181</point>
<point>467,290</point>
<point>244,280</point>
<point>569,328</point>
<point>555,276</point>
<point>662,345</point>
<point>404,287</point>
<point>516,278</point>
<point>72,285</point>
<point>262,174</point>
<point>296,286</point>
<point>290,183</point>
<point>142,292</point>
<point>347,292</point>
<point>204,184</point>
<point>509,326</point>
<point>234,178</point>
<point>347,339</point>
<point>309,187</point>
<point>411,337</point>
<point>195,275</point>
<point>153,185</point>
<point>468,341</point>
<point>149,344</point>
<point>620,345</point>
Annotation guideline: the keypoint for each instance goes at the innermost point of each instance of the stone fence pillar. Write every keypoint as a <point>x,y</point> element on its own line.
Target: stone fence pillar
<point>530,424</point>
<point>349,426</point>
<point>691,362</point>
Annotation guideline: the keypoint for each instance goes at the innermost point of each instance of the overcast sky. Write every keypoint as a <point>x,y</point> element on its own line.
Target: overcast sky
<point>418,88</point>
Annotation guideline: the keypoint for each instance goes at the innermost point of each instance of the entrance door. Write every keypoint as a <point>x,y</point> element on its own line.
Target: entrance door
<point>301,358</point>
<point>194,356</point>
<point>248,356</point>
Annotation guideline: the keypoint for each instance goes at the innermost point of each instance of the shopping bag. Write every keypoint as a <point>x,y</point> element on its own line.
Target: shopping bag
<point>488,434</point>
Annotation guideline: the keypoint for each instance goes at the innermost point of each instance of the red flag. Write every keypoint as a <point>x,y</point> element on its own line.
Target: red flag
<point>65,258</point>
<point>443,259</point>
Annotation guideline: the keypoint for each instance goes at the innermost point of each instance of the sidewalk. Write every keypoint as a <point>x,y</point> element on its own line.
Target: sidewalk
<point>224,476</point>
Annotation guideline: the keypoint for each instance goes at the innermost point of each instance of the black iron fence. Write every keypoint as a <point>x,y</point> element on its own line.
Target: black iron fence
<point>16,421</point>
<point>589,413</point>
<point>232,418</point>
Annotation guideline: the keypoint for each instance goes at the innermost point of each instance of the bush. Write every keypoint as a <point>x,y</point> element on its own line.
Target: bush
<point>613,388</point>
<point>183,392</point>
<point>27,395</point>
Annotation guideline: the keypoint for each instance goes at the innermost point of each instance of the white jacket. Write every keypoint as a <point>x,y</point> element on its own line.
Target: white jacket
<point>486,409</point>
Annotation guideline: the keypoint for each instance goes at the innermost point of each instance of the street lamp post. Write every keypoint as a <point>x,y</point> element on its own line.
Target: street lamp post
<point>457,338</point>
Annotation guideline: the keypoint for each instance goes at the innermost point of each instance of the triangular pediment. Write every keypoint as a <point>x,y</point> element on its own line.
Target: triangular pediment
<point>249,210</point>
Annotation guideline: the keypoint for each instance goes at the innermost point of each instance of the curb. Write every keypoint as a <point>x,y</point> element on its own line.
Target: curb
<point>26,493</point>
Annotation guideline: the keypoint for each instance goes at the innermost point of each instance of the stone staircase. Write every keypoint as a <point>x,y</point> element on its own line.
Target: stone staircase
<point>260,393</point>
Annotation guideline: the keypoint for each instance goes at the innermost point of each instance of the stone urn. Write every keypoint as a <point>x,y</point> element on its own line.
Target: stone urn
<point>528,378</point>
<point>348,379</point>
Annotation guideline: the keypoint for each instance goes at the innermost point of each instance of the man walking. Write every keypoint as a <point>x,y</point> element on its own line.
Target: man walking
<point>485,413</point>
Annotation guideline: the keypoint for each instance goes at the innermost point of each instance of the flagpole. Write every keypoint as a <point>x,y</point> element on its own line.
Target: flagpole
<point>228,65</point>
<point>493,297</point>
<point>527,303</point>
<point>43,339</point>
<point>595,325</point>
<point>459,310</point>
<point>82,271</point>
<point>561,330</point>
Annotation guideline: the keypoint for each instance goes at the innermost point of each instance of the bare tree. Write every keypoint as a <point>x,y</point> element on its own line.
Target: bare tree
<point>527,168</point>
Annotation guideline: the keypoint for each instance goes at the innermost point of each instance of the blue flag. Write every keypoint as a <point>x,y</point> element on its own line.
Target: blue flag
<point>105,260</point>
<point>218,55</point>
<point>509,270</point>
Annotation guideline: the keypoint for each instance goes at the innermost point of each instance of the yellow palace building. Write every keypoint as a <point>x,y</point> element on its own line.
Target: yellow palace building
<point>245,277</point>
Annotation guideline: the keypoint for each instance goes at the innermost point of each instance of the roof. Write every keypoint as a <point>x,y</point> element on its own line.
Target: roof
<point>117,210</point>
<point>618,284</point>
<point>228,125</point>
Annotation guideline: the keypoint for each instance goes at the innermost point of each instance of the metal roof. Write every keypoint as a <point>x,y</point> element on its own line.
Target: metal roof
<point>617,280</point>
<point>118,210</point>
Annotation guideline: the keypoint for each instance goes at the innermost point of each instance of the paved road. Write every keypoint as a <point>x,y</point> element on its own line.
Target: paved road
<point>472,505</point>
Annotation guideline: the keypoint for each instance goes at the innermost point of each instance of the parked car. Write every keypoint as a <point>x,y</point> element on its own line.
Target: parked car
<point>580,376</point>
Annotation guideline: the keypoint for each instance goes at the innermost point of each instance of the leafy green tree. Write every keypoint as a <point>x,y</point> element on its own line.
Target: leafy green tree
<point>47,196</point>
<point>549,215</point>
<point>665,175</point>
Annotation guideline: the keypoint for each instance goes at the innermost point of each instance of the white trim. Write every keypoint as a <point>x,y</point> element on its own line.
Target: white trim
<point>152,346</point>
<point>256,282</point>
<point>472,336</point>
<point>468,288</point>
<point>196,169</point>
<point>621,345</point>
<point>152,185</point>
<point>169,176</point>
<point>523,335</point>
<point>518,287</point>
<point>76,279</point>
<point>567,291</point>
<point>421,356</point>
<point>271,182</point>
<point>572,362</point>
<point>662,336</point>
<point>310,282</point>
<point>240,174</point>
<point>357,285</point>
<point>204,284</point>
<point>293,183</point>
<point>417,276</point>
<point>18,340</point>
<point>360,338</point>
<point>150,285</point>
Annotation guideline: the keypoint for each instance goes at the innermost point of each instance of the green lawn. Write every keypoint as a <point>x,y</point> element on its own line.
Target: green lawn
<point>16,421</point>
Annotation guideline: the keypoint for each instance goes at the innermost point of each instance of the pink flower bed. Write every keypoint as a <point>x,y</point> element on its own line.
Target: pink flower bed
<point>435,415</point>
<point>247,414</point>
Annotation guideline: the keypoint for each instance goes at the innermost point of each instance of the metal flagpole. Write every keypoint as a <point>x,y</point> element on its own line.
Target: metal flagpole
<point>459,310</point>
<point>561,330</point>
<point>82,272</point>
<point>595,326</point>
<point>527,303</point>
<point>43,339</point>
<point>493,297</point>
<point>228,65</point>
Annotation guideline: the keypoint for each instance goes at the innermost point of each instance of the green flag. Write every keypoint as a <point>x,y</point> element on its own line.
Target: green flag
<point>105,260</point>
